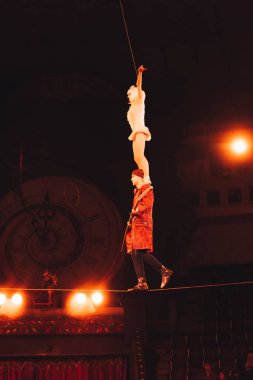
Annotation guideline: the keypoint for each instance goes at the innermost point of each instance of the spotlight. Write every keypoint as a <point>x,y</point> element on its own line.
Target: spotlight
<point>2,299</point>
<point>78,304</point>
<point>240,146</point>
<point>80,298</point>
<point>97,298</point>
<point>17,299</point>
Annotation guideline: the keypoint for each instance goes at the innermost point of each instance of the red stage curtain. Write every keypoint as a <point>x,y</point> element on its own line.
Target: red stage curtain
<point>114,368</point>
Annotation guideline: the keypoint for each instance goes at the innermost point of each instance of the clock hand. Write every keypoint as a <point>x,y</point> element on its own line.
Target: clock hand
<point>40,221</point>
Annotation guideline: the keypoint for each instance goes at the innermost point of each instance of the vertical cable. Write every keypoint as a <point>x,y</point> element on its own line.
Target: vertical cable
<point>128,38</point>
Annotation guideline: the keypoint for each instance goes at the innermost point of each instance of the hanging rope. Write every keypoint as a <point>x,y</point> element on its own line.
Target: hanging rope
<point>128,38</point>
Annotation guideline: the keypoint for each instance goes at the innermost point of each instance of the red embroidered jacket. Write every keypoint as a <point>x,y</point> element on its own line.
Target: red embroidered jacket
<point>140,232</point>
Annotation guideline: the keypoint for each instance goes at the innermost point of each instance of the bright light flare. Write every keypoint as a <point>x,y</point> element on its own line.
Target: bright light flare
<point>240,146</point>
<point>78,304</point>
<point>12,306</point>
<point>235,145</point>
<point>2,299</point>
<point>97,298</point>
<point>17,299</point>
<point>79,298</point>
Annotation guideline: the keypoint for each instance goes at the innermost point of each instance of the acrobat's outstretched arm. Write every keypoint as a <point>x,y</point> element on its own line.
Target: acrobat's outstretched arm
<point>139,80</point>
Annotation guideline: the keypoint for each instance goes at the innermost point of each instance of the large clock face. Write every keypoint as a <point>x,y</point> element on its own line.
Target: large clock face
<point>62,224</point>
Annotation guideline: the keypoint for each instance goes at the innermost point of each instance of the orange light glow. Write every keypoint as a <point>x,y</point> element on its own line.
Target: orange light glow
<point>240,146</point>
<point>13,307</point>
<point>17,299</point>
<point>2,299</point>
<point>78,304</point>
<point>97,298</point>
<point>236,144</point>
<point>80,298</point>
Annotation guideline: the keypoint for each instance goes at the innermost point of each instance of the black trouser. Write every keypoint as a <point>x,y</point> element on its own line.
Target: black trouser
<point>141,255</point>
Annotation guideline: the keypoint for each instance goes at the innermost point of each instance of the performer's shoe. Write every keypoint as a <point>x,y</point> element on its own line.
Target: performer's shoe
<point>142,285</point>
<point>166,275</point>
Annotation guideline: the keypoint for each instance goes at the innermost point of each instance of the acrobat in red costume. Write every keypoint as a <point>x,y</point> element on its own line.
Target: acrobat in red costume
<point>136,118</point>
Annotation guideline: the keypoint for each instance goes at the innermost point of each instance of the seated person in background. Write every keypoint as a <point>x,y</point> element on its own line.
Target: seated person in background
<point>222,376</point>
<point>207,372</point>
<point>229,376</point>
<point>248,367</point>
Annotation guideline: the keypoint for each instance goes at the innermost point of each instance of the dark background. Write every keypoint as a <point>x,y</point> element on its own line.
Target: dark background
<point>65,68</point>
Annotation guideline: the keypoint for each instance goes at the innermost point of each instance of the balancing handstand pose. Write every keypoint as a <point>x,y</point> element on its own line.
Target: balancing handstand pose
<point>136,118</point>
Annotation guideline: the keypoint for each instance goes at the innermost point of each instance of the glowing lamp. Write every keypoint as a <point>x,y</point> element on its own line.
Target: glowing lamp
<point>2,299</point>
<point>239,146</point>
<point>17,299</point>
<point>97,298</point>
<point>80,298</point>
<point>78,304</point>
